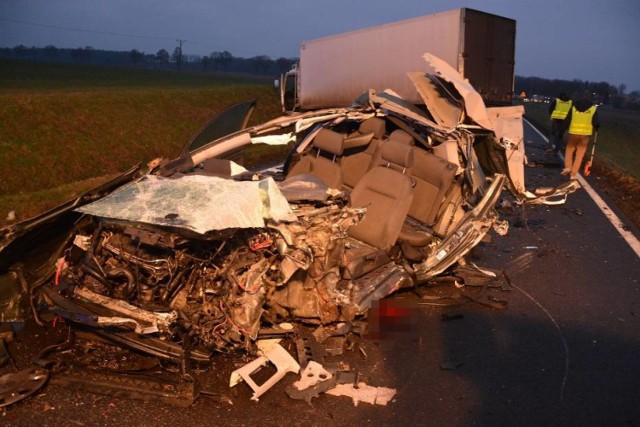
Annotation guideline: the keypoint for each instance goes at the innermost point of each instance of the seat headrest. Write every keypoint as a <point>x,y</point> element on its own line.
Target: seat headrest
<point>397,153</point>
<point>329,141</point>
<point>401,136</point>
<point>375,125</point>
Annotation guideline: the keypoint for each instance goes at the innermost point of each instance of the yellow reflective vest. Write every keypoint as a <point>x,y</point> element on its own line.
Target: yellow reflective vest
<point>581,122</point>
<point>562,109</point>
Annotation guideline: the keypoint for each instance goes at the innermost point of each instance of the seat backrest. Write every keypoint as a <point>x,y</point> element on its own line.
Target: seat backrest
<point>324,162</point>
<point>375,125</point>
<point>401,136</point>
<point>387,192</point>
<point>397,136</point>
<point>355,165</point>
<point>433,176</point>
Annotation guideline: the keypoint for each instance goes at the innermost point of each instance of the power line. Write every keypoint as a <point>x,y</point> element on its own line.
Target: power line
<point>111,33</point>
<point>82,30</point>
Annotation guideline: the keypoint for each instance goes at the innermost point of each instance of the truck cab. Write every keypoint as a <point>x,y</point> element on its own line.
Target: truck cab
<point>289,90</point>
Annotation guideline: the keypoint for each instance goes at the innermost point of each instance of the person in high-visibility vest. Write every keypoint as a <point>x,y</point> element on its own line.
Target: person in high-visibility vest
<point>582,120</point>
<point>558,110</point>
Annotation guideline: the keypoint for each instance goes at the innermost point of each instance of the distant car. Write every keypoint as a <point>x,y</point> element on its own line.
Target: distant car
<point>373,198</point>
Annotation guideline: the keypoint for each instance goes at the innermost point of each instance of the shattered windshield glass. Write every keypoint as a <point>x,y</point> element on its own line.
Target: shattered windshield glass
<point>190,202</point>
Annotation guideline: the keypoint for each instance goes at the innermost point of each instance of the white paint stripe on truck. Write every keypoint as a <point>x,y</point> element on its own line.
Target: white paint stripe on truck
<point>627,235</point>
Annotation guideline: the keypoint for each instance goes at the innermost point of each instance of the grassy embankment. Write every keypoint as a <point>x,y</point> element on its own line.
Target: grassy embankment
<point>618,138</point>
<point>65,129</point>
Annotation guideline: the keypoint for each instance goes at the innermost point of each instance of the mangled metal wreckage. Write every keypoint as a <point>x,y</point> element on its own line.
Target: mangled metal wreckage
<point>373,198</point>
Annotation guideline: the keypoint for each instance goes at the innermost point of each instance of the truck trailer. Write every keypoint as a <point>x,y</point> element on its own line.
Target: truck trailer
<point>335,70</point>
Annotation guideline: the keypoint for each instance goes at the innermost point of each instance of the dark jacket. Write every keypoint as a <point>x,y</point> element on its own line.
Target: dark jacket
<point>582,106</point>
<point>552,105</point>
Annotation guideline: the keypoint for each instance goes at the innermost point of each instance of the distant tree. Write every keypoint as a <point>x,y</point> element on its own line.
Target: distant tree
<point>621,88</point>
<point>618,101</point>
<point>205,60</point>
<point>82,53</point>
<point>162,56</point>
<point>135,56</point>
<point>261,63</point>
<point>284,64</point>
<point>222,59</point>
<point>20,51</point>
<point>51,51</point>
<point>88,52</point>
<point>77,53</point>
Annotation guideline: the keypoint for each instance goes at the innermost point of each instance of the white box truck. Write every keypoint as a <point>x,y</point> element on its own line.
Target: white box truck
<point>335,70</point>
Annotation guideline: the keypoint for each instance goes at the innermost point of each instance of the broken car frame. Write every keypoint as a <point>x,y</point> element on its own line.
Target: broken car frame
<point>197,255</point>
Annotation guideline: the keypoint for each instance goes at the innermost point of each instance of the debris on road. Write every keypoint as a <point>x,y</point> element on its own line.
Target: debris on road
<point>279,357</point>
<point>364,393</point>
<point>22,384</point>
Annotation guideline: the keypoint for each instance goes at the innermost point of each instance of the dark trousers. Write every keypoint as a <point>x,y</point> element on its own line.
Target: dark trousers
<point>556,134</point>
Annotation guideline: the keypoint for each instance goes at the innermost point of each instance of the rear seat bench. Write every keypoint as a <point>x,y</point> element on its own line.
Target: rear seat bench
<point>324,161</point>
<point>357,160</point>
<point>387,192</point>
<point>378,172</point>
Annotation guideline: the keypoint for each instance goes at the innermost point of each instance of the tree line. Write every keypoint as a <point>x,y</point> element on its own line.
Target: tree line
<point>600,92</point>
<point>222,61</point>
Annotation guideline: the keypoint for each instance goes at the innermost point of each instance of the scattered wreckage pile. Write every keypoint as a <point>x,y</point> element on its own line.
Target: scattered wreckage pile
<point>218,293</point>
<point>197,255</point>
<point>181,299</point>
<point>176,300</point>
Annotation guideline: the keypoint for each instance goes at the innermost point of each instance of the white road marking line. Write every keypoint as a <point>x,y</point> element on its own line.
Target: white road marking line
<point>627,235</point>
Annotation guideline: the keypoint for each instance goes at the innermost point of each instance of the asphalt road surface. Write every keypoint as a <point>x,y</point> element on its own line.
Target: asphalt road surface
<point>566,350</point>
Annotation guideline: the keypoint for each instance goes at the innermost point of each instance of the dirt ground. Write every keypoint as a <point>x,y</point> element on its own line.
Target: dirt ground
<point>622,188</point>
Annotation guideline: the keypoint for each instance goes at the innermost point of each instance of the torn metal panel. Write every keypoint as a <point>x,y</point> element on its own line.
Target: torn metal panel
<point>447,111</point>
<point>152,346</point>
<point>187,202</point>
<point>364,393</point>
<point>552,196</point>
<point>146,322</point>
<point>378,284</point>
<point>467,233</point>
<point>279,357</point>
<point>311,375</point>
<point>19,385</point>
<point>322,386</point>
<point>508,127</point>
<point>473,102</point>
<point>391,101</point>
<point>308,348</point>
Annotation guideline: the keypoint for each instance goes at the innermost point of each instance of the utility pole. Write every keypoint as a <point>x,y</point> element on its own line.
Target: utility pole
<point>180,41</point>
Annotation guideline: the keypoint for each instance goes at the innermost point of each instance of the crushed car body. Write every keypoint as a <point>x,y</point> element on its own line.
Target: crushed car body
<point>198,255</point>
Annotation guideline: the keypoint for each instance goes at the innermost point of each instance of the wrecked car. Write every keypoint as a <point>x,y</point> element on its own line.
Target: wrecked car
<point>196,255</point>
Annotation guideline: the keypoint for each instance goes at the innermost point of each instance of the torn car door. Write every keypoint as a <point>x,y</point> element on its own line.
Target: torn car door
<point>229,121</point>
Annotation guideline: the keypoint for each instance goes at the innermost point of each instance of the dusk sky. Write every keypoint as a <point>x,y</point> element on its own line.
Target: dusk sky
<point>571,39</point>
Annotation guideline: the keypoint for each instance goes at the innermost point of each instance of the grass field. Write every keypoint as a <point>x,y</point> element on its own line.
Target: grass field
<point>618,138</point>
<point>27,76</point>
<point>63,126</point>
